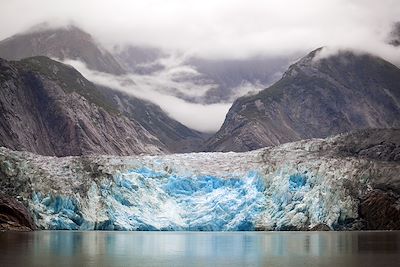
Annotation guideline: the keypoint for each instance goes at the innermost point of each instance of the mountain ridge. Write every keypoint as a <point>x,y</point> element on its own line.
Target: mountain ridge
<point>314,98</point>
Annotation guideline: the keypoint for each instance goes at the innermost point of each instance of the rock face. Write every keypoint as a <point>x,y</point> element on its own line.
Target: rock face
<point>316,97</point>
<point>310,184</point>
<point>62,43</point>
<point>51,109</point>
<point>381,210</point>
<point>14,216</point>
<point>373,144</point>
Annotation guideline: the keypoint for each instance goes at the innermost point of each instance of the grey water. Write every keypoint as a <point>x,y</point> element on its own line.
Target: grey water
<point>71,248</point>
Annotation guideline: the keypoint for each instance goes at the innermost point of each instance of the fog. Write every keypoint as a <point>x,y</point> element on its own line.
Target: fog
<point>218,28</point>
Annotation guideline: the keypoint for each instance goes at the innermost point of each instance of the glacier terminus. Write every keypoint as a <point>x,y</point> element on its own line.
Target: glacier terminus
<point>295,186</point>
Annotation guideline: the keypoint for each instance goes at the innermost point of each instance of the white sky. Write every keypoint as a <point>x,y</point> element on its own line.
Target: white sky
<point>216,28</point>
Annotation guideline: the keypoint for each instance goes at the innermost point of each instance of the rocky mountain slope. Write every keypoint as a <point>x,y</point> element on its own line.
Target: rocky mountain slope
<point>61,43</point>
<point>51,109</point>
<point>316,97</point>
<point>174,135</point>
<point>346,182</point>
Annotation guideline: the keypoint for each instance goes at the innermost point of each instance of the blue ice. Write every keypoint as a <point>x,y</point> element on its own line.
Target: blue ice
<point>139,199</point>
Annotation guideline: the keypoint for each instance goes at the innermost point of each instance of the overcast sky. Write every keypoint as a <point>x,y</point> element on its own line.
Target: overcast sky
<point>217,28</point>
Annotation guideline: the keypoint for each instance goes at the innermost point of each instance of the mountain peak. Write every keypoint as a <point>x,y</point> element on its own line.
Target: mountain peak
<point>60,42</point>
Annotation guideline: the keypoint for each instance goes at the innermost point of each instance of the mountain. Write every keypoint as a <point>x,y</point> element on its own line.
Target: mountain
<point>139,59</point>
<point>347,182</point>
<point>193,79</point>
<point>237,77</point>
<point>49,108</point>
<point>316,97</point>
<point>174,135</point>
<point>394,35</point>
<point>72,43</point>
<point>61,43</point>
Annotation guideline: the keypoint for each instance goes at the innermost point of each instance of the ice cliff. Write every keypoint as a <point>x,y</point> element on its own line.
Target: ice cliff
<point>295,186</point>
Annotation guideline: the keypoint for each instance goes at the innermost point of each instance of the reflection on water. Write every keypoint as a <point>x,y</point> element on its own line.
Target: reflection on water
<point>143,249</point>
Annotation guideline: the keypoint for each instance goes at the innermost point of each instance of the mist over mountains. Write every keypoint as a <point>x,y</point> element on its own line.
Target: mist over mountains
<point>199,86</point>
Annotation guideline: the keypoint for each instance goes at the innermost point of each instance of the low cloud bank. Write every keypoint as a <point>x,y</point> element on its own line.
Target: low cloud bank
<point>217,28</point>
<point>201,117</point>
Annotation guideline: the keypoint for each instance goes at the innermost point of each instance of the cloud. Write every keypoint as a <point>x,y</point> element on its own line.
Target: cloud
<point>218,28</point>
<point>205,118</point>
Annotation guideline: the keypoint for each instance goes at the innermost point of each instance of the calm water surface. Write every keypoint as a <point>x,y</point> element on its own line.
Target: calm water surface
<point>62,248</point>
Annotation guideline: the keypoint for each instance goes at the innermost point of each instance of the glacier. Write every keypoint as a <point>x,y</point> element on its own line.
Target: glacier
<point>295,186</point>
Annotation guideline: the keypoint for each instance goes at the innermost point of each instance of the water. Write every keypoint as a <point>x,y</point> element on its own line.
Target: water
<point>68,248</point>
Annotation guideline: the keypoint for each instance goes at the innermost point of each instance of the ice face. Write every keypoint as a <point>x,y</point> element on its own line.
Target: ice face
<point>148,199</point>
<point>58,212</point>
<point>213,204</point>
<point>298,200</point>
<point>144,199</point>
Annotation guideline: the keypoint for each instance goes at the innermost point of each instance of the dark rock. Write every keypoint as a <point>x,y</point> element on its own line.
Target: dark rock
<point>320,227</point>
<point>373,144</point>
<point>380,210</point>
<point>14,216</point>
